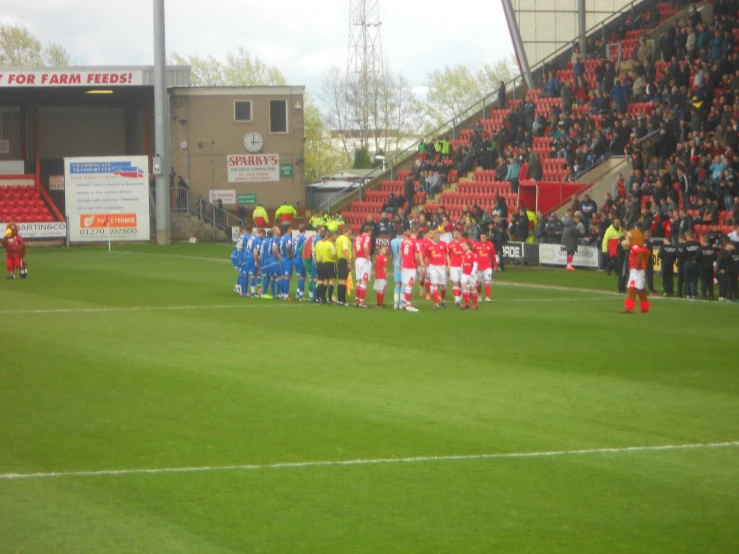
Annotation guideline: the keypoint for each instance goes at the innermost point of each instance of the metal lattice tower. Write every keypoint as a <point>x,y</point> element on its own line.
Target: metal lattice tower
<point>364,67</point>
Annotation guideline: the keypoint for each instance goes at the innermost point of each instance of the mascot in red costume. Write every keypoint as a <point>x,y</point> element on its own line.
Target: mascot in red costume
<point>15,251</point>
<point>638,260</point>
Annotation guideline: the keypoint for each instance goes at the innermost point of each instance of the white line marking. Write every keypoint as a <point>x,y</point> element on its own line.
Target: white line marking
<point>144,309</point>
<point>364,462</point>
<point>244,306</point>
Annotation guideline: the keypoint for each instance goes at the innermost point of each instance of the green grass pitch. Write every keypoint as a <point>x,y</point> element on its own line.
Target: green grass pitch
<point>144,358</point>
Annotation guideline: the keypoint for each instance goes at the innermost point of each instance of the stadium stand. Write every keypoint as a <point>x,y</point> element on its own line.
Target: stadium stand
<point>566,132</point>
<point>24,203</point>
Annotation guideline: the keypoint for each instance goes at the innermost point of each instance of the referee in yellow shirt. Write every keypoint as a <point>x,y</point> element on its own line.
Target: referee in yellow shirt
<point>326,257</point>
<point>344,253</point>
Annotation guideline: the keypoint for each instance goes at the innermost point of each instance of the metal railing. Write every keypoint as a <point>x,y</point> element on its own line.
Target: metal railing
<point>490,99</point>
<point>183,200</point>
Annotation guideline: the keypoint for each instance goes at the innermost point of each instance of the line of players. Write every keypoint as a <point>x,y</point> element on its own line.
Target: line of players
<point>266,259</point>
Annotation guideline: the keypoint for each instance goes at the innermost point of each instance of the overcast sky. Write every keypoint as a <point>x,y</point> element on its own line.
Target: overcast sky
<point>301,37</point>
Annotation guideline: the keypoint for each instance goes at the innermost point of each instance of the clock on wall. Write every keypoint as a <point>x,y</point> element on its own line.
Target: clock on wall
<point>253,142</point>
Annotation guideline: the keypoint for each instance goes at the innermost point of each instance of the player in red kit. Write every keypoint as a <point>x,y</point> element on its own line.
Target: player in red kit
<point>455,265</point>
<point>362,263</point>
<point>380,276</point>
<point>486,261</point>
<point>422,243</point>
<point>469,276</point>
<point>15,251</point>
<point>438,260</point>
<point>408,265</point>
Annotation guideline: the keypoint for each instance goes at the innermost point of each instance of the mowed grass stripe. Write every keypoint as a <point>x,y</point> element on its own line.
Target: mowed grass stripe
<point>370,393</point>
<point>545,504</point>
<point>205,387</point>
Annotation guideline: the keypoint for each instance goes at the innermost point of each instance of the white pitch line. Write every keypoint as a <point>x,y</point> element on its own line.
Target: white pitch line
<point>140,309</point>
<point>245,306</point>
<point>365,462</point>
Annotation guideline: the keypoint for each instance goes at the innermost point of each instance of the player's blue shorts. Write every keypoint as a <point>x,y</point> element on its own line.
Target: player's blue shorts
<point>287,267</point>
<point>270,269</point>
<point>299,267</point>
<point>396,274</point>
<point>248,268</point>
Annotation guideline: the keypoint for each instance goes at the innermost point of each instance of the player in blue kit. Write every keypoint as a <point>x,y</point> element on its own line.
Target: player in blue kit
<point>244,256</point>
<point>256,250</point>
<point>248,267</point>
<point>271,263</point>
<point>397,296</point>
<point>236,258</point>
<point>299,245</point>
<point>286,262</point>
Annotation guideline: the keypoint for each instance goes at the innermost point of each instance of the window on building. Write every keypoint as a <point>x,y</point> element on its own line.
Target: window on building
<point>278,116</point>
<point>242,110</point>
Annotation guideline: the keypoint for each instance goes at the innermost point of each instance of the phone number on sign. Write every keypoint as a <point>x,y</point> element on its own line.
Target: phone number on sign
<point>103,232</point>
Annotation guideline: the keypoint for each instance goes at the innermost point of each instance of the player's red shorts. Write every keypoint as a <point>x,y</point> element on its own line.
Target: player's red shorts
<point>12,263</point>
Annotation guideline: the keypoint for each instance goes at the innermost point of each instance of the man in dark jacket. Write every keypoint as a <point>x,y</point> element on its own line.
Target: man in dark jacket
<point>632,212</point>
<point>501,96</point>
<point>553,229</point>
<point>500,238</point>
<point>573,231</point>
<point>409,190</point>
<point>691,255</point>
<point>705,268</point>
<point>520,228</point>
<point>540,232</point>
<point>534,171</point>
<point>668,255</point>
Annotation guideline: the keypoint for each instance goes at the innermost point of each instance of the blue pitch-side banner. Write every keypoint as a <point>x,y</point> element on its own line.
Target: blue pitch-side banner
<point>122,169</point>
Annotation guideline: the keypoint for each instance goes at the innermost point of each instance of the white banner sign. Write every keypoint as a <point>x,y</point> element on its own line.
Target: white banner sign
<point>253,168</point>
<point>556,254</point>
<point>228,197</point>
<point>107,197</point>
<point>10,77</point>
<point>42,230</point>
<point>12,168</point>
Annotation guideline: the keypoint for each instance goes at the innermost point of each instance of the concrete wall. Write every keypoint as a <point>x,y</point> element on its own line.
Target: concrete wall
<point>204,133</point>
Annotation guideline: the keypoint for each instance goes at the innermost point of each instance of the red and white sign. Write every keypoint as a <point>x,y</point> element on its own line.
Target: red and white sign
<point>68,78</point>
<point>228,197</point>
<point>253,168</point>
<point>114,221</point>
<point>56,182</point>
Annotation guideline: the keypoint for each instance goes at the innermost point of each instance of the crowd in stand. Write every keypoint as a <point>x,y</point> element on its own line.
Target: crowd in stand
<point>682,142</point>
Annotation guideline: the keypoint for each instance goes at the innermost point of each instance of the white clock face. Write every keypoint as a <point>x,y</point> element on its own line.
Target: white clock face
<point>253,142</point>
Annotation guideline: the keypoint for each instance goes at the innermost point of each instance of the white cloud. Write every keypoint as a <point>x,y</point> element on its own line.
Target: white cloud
<point>301,38</point>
